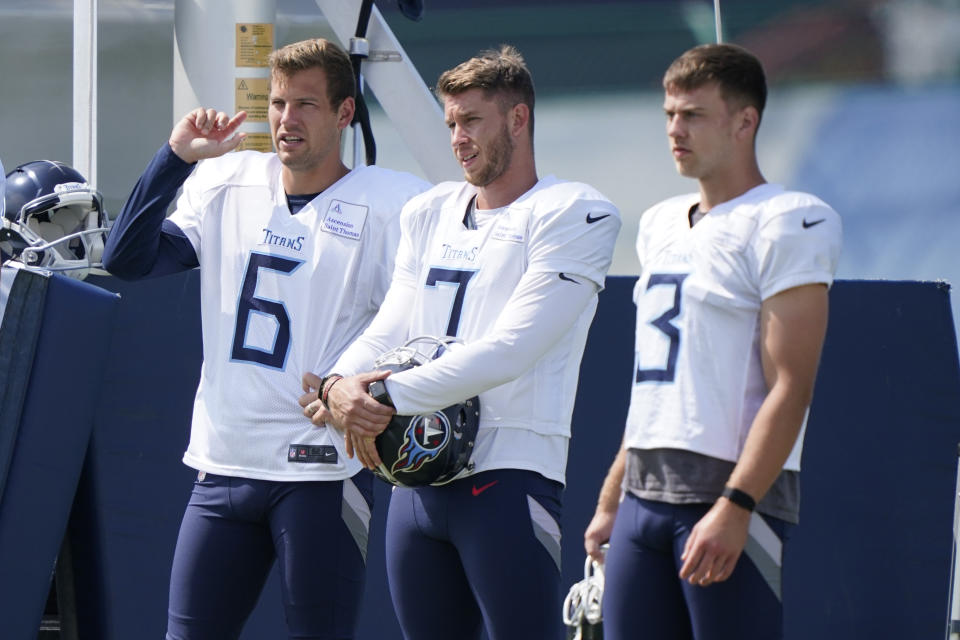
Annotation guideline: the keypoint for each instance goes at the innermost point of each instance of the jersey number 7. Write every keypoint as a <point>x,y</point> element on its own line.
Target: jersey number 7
<point>455,277</point>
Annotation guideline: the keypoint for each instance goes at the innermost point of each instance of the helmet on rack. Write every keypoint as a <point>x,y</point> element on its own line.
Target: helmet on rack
<point>53,219</point>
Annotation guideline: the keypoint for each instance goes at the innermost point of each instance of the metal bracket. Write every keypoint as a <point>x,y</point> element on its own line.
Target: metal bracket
<point>361,47</point>
<point>385,56</point>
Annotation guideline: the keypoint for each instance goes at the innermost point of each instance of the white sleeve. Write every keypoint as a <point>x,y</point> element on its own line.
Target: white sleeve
<point>577,238</point>
<point>541,310</point>
<point>798,246</point>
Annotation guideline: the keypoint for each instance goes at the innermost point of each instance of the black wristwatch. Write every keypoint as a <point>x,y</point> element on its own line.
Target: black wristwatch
<point>740,498</point>
<point>378,390</point>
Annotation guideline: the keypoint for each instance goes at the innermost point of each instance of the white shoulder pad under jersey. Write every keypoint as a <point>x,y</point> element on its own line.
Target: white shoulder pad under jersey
<point>698,377</point>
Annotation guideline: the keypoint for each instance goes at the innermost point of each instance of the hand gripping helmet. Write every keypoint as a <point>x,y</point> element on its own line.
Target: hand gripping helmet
<point>53,219</point>
<point>431,448</point>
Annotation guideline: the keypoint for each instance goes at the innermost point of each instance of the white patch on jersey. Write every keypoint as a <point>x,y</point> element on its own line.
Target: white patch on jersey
<point>345,219</point>
<point>510,229</point>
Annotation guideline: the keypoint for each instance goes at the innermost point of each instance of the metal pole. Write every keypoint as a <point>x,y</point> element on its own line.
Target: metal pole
<point>359,155</point>
<point>953,602</point>
<point>716,19</point>
<point>220,50</point>
<point>85,88</point>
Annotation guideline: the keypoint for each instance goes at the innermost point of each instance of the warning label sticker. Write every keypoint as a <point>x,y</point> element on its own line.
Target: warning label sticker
<point>253,97</point>
<point>257,142</point>
<point>254,44</point>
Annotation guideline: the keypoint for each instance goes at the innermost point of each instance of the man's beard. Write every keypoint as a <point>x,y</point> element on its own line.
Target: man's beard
<point>497,155</point>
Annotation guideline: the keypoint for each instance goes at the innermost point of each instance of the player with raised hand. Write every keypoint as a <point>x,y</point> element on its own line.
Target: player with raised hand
<point>511,265</point>
<point>205,133</point>
<point>295,252</point>
<point>731,317</point>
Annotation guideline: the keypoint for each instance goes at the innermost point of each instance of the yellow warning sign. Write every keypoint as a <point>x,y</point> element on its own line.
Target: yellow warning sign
<point>254,44</point>
<point>257,142</point>
<point>253,97</point>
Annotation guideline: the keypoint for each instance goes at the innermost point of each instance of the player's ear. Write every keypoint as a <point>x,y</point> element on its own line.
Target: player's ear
<point>345,112</point>
<point>748,119</point>
<point>518,118</point>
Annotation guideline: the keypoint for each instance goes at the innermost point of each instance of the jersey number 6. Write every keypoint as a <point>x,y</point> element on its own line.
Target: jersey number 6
<point>249,304</point>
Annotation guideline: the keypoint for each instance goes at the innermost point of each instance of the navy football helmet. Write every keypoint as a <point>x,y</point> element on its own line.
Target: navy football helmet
<point>52,219</point>
<point>430,448</point>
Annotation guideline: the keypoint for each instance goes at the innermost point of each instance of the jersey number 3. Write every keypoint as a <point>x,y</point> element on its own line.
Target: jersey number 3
<point>663,324</point>
<point>250,305</point>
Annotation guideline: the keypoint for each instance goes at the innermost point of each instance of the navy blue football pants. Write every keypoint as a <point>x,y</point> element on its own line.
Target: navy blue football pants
<point>483,551</point>
<point>643,596</point>
<point>233,530</point>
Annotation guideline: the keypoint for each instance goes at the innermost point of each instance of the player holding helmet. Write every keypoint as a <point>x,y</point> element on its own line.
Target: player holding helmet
<point>511,264</point>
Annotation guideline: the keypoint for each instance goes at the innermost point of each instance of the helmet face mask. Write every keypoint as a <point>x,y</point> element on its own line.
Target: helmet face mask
<point>53,220</point>
<point>431,448</point>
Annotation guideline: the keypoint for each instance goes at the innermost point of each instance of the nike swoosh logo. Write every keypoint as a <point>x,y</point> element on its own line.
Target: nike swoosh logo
<point>564,276</point>
<point>807,225</point>
<point>477,491</point>
<point>591,220</point>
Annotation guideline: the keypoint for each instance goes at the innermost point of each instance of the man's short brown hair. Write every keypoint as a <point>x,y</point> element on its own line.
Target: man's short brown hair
<point>735,70</point>
<point>317,53</point>
<point>500,73</point>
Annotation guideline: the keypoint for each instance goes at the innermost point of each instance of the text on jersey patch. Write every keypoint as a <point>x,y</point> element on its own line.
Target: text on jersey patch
<point>345,219</point>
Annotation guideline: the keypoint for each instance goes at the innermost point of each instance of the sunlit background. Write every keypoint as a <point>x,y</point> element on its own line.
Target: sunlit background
<point>864,108</point>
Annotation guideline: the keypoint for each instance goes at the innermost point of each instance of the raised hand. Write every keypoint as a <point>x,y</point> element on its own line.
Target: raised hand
<point>206,133</point>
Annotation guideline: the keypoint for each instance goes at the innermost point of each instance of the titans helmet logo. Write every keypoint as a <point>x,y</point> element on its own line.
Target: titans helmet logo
<point>424,438</point>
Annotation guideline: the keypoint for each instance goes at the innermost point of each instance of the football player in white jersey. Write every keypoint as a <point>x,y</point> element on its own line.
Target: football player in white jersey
<point>295,253</point>
<point>731,317</point>
<point>511,265</point>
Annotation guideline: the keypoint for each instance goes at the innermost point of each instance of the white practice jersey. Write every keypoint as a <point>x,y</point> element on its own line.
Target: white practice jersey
<point>698,379</point>
<point>281,294</point>
<point>520,291</point>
